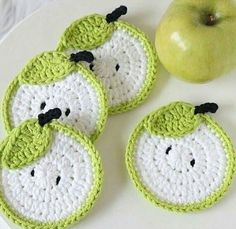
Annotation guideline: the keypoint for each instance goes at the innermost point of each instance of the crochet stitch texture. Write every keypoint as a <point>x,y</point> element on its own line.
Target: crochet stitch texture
<point>125,60</point>
<point>53,186</point>
<point>51,80</point>
<point>179,160</point>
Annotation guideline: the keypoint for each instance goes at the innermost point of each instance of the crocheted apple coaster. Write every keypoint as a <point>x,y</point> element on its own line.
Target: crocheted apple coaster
<point>56,80</point>
<point>50,174</point>
<point>180,158</point>
<point>125,60</point>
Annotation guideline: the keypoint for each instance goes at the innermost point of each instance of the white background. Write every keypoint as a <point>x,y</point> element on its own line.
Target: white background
<point>13,11</point>
<point>120,206</point>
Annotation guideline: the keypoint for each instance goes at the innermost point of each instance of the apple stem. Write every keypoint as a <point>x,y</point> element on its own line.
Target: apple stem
<point>115,14</point>
<point>82,56</point>
<point>210,19</point>
<point>206,107</point>
<point>49,116</point>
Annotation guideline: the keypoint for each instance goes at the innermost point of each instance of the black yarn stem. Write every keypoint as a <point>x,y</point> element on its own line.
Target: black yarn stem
<point>205,108</point>
<point>115,14</point>
<point>82,56</point>
<point>49,116</point>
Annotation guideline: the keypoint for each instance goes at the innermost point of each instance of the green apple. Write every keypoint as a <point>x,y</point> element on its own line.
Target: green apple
<point>196,39</point>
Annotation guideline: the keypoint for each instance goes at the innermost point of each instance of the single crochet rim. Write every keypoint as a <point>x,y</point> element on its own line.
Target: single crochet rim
<point>86,73</point>
<point>92,196</point>
<point>208,201</point>
<point>152,67</point>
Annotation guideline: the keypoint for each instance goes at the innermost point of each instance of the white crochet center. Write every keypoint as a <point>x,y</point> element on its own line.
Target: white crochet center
<point>38,197</point>
<point>73,92</point>
<point>129,53</point>
<point>170,177</point>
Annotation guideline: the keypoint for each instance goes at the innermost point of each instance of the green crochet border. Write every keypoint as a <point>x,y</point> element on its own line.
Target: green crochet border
<point>207,202</point>
<point>86,73</point>
<point>153,60</point>
<point>79,214</point>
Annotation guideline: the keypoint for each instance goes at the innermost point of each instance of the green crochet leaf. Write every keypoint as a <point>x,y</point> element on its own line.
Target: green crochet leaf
<point>25,144</point>
<point>46,68</point>
<point>175,120</point>
<point>87,33</point>
<point>2,146</point>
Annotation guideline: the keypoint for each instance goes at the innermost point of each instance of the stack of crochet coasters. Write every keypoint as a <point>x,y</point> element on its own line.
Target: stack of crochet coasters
<point>55,108</point>
<point>51,173</point>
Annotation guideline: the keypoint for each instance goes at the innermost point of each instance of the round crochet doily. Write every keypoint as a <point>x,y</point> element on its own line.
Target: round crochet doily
<point>180,159</point>
<point>125,60</point>
<point>58,186</point>
<point>49,81</point>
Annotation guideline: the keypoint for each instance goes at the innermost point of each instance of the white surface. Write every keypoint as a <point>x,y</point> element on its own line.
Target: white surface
<point>13,11</point>
<point>120,205</point>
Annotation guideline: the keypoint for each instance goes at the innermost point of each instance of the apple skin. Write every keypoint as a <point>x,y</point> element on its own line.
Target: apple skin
<point>192,50</point>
